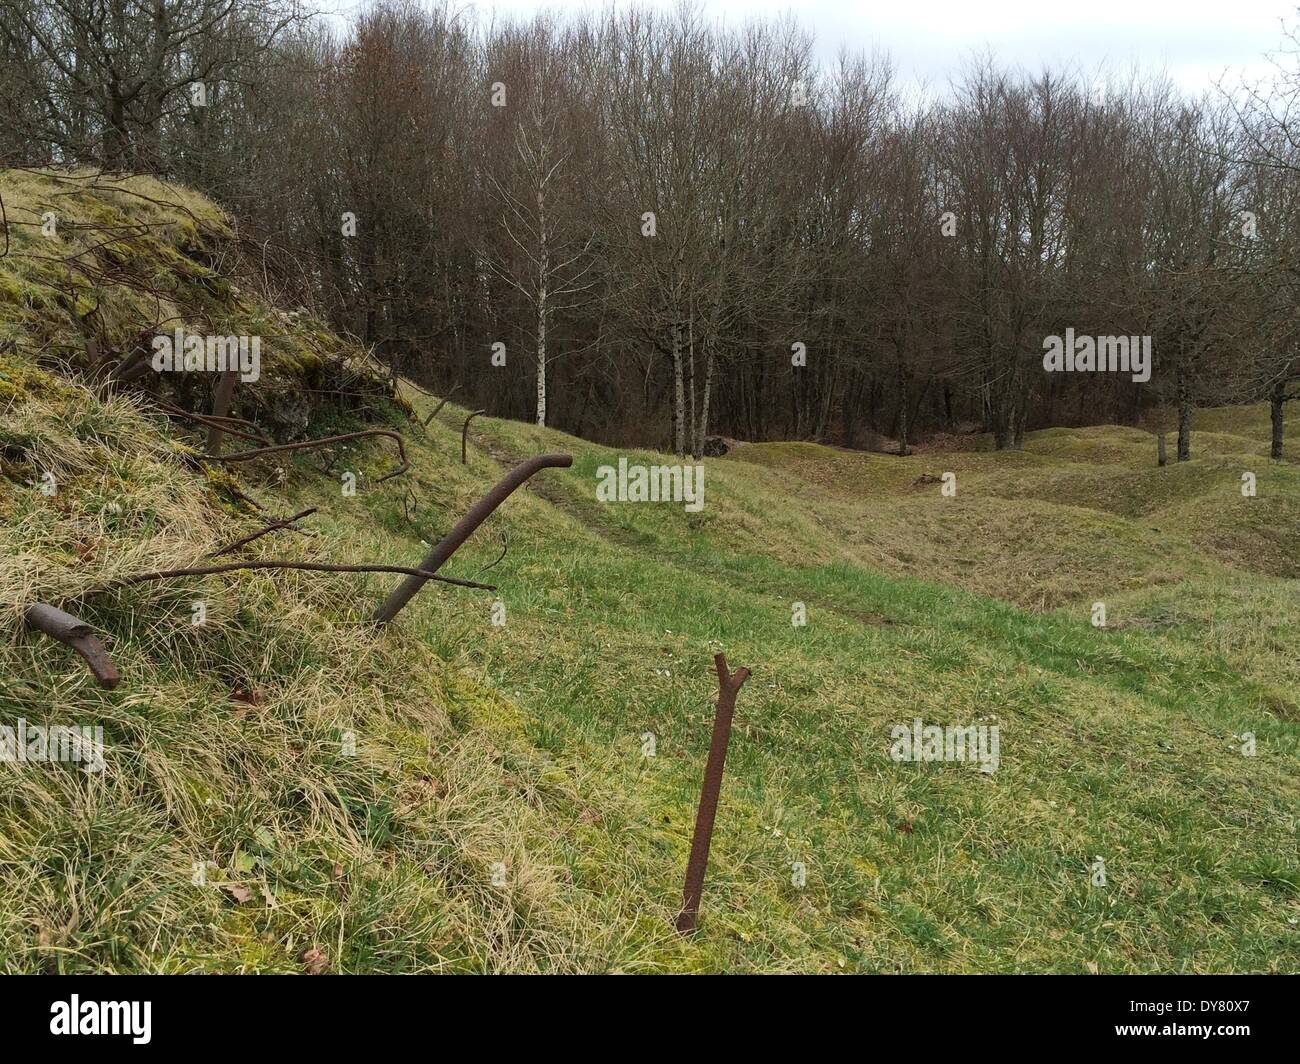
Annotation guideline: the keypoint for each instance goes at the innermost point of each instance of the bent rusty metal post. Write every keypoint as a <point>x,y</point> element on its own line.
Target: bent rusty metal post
<point>465,527</point>
<point>464,433</point>
<point>76,633</point>
<point>729,684</point>
<point>441,403</point>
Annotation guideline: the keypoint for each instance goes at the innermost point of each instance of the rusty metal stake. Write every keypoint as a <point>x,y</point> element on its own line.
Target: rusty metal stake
<point>464,433</point>
<point>465,527</point>
<point>441,403</point>
<point>220,408</point>
<point>76,633</point>
<point>729,684</point>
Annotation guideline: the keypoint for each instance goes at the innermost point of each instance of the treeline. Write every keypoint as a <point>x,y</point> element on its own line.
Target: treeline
<point>647,228</point>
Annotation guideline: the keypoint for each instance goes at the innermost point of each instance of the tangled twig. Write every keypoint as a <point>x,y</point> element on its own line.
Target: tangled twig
<point>505,546</point>
<point>274,526</point>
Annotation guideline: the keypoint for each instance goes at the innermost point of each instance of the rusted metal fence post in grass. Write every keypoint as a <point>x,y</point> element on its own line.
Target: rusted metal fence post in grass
<point>220,408</point>
<point>464,434</point>
<point>465,527</point>
<point>729,684</point>
<point>441,403</point>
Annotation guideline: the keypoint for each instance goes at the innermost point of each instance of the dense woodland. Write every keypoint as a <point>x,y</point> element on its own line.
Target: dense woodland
<point>660,217</point>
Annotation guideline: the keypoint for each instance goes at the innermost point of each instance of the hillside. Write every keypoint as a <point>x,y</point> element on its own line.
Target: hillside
<point>520,745</point>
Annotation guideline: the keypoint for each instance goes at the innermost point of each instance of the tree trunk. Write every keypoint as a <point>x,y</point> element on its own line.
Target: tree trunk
<point>541,360</point>
<point>828,401</point>
<point>691,423</point>
<point>679,395</point>
<point>1019,417</point>
<point>1275,401</point>
<point>543,270</point>
<point>704,402</point>
<point>902,408</point>
<point>1184,419</point>
<point>117,141</point>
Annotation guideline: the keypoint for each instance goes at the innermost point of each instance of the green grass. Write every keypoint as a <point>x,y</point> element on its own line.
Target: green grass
<point>480,746</point>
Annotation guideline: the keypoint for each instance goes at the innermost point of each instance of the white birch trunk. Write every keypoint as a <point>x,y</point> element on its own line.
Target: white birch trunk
<point>543,269</point>
<point>704,403</point>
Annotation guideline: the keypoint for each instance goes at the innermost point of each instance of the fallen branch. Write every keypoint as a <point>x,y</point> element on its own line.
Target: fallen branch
<point>274,526</point>
<point>284,448</point>
<point>414,384</point>
<point>465,527</point>
<point>729,684</point>
<point>464,433</point>
<point>244,498</point>
<point>74,632</point>
<point>315,567</point>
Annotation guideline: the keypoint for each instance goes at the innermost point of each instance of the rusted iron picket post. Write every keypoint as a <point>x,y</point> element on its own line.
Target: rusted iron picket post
<point>76,633</point>
<point>465,527</point>
<point>464,434</point>
<point>729,684</point>
<point>220,408</point>
<point>441,403</point>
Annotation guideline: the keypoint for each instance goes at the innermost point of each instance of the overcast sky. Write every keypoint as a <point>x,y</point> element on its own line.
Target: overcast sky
<point>1193,41</point>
